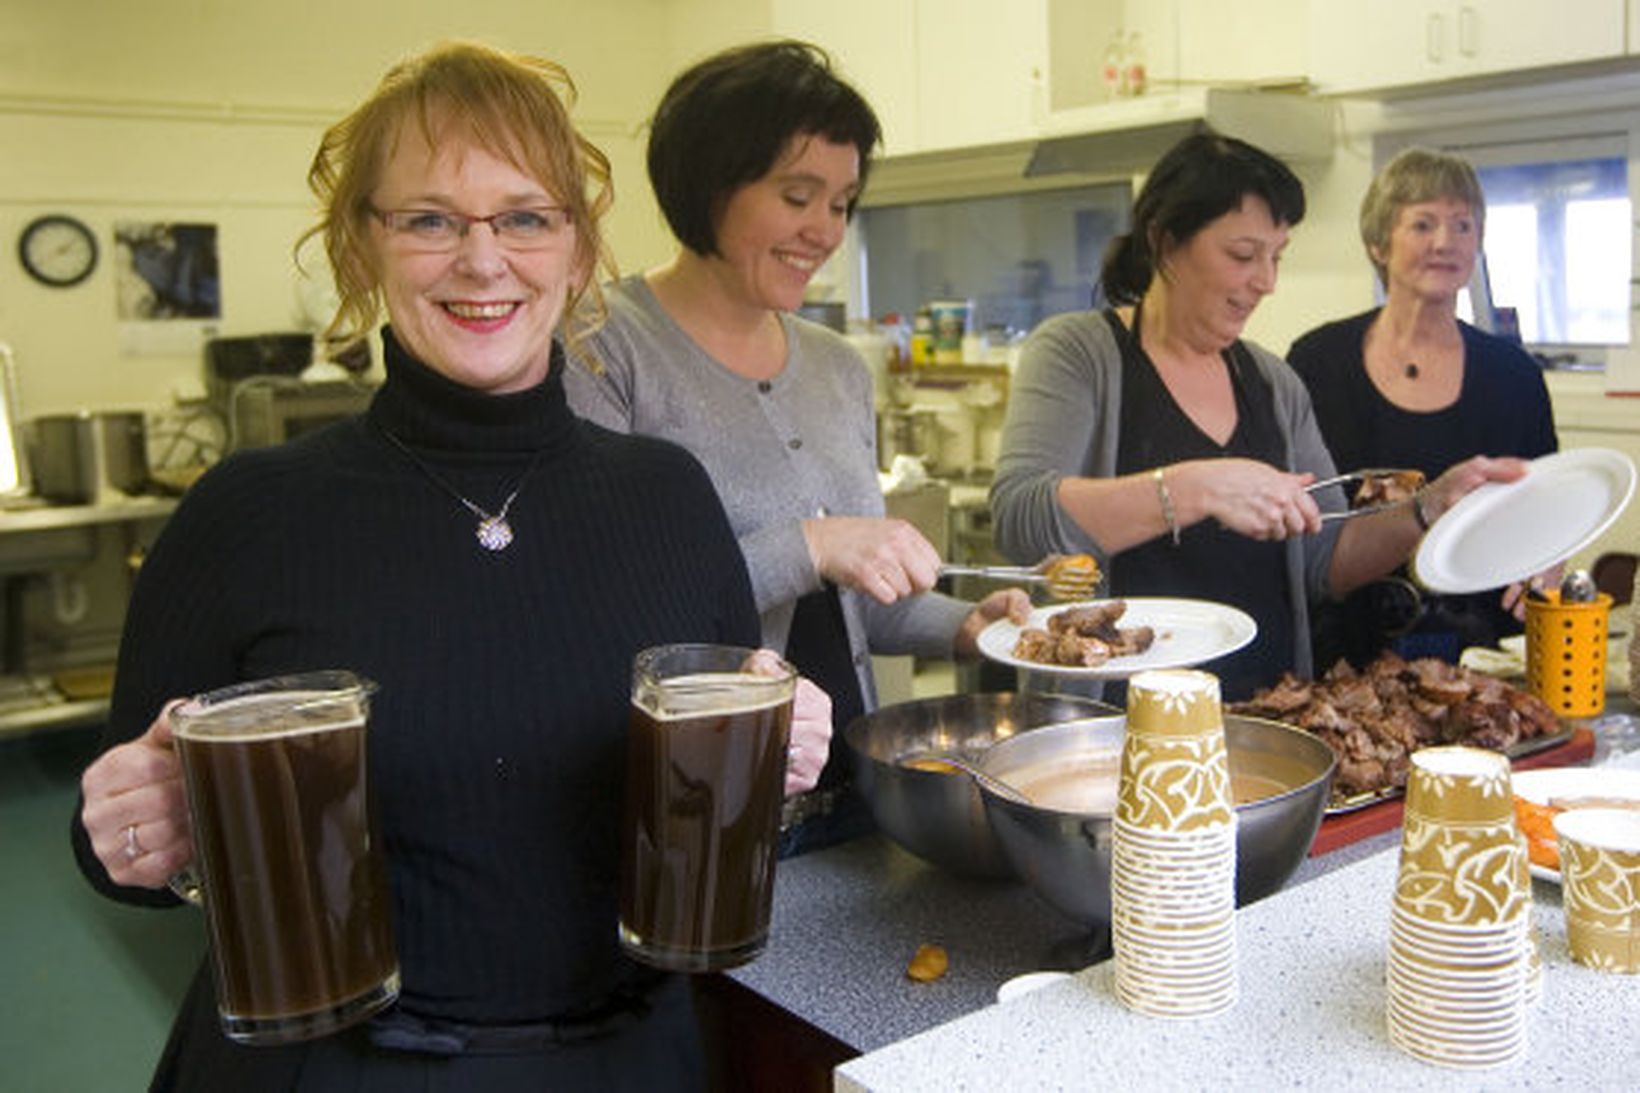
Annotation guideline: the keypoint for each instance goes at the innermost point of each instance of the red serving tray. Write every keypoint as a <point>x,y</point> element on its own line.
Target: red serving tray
<point>1349,827</point>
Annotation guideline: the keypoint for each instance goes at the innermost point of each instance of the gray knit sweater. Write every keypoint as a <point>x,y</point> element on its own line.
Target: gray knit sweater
<point>779,451</point>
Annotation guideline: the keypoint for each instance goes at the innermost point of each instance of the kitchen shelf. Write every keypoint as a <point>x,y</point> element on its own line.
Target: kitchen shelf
<point>117,510</point>
<point>62,714</point>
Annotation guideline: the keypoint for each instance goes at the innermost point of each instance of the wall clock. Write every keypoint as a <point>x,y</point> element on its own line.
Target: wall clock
<point>58,250</point>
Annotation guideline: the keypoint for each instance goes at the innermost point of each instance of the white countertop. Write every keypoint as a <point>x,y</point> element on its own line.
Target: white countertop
<point>1311,1015</point>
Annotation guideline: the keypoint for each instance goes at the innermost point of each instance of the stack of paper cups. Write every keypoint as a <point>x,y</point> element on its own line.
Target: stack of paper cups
<point>1460,930</point>
<point>1173,851</point>
<point>1600,874</point>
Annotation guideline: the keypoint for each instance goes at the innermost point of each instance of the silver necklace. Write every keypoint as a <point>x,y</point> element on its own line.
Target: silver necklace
<point>494,533</point>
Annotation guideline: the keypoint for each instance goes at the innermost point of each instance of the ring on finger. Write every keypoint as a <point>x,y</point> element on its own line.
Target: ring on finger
<point>133,849</point>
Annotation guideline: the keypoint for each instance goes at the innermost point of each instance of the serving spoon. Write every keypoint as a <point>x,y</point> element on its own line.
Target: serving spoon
<point>936,760</point>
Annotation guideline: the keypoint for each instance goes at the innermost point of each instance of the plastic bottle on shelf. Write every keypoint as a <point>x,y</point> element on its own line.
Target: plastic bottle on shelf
<point>922,337</point>
<point>1135,76</point>
<point>898,332</point>
<point>1112,67</point>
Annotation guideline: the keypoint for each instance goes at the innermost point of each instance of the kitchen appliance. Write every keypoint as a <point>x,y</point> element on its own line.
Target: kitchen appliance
<point>832,314</point>
<point>1065,856</point>
<point>229,361</point>
<point>86,458</point>
<point>913,431</point>
<point>255,383</point>
<point>272,409</point>
<point>935,814</point>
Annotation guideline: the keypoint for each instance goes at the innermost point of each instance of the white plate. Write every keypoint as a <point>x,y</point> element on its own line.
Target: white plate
<point>1021,985</point>
<point>1188,632</point>
<point>1506,532</point>
<point>1542,786</point>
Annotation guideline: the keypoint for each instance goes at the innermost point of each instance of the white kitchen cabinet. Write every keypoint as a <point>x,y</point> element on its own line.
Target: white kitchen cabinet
<point>1213,42</point>
<point>874,44</point>
<point>1390,44</point>
<point>945,74</point>
<point>939,73</point>
<point>981,71</point>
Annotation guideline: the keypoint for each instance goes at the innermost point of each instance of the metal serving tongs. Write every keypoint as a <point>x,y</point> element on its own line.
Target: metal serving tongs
<point>1068,576</point>
<point>1360,476</point>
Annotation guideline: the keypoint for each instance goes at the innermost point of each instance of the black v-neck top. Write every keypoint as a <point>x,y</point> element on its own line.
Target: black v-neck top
<point>1210,562</point>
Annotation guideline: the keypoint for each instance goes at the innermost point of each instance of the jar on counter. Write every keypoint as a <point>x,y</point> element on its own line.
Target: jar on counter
<point>950,328</point>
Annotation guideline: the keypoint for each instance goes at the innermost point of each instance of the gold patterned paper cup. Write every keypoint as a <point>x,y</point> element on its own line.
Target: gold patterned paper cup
<point>1460,850</point>
<point>1175,770</point>
<point>1460,785</point>
<point>1174,702</point>
<point>1600,876</point>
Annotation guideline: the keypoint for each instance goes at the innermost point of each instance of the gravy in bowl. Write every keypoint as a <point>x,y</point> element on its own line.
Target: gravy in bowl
<point>1087,783</point>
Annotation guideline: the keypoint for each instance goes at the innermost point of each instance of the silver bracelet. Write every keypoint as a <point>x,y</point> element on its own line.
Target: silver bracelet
<point>1166,499</point>
<point>1418,512</point>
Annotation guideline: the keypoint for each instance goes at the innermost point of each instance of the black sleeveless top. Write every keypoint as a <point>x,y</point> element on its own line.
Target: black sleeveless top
<point>1210,562</point>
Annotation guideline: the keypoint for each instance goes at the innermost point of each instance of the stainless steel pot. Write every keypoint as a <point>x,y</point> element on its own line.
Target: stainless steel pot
<point>80,458</point>
<point>1065,856</point>
<point>938,815</point>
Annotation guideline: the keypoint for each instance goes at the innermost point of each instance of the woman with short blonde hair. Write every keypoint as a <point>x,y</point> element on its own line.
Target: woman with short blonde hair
<point>1409,385</point>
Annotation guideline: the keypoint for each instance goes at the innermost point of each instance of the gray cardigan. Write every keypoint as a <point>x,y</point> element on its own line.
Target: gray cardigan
<point>779,451</point>
<point>1064,411</point>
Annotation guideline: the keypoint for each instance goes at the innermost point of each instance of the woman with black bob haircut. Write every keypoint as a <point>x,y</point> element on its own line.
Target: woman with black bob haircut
<point>1151,435</point>
<point>758,155</point>
<point>724,123</point>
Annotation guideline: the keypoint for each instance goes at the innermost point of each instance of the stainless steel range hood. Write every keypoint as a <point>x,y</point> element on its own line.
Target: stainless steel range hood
<point>1110,140</point>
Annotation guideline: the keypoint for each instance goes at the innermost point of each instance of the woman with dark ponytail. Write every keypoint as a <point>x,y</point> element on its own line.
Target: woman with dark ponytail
<point>1152,436</point>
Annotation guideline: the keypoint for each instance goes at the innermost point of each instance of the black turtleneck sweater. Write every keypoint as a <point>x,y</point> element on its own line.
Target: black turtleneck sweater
<point>497,736</point>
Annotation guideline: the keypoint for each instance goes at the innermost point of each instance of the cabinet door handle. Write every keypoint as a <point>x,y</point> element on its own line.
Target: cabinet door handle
<point>1469,31</point>
<point>1434,37</point>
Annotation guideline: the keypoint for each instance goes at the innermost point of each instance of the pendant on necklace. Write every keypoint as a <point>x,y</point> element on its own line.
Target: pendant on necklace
<point>494,533</point>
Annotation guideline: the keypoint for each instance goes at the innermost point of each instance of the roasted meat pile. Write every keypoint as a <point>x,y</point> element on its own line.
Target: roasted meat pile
<point>1385,489</point>
<point>1375,718</point>
<point>1083,637</point>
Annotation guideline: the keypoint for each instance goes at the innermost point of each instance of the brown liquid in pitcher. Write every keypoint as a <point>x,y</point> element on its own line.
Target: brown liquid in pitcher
<point>298,906</point>
<point>702,811</point>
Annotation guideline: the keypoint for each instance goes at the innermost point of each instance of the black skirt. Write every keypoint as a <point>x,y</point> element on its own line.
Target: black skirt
<point>660,1050</point>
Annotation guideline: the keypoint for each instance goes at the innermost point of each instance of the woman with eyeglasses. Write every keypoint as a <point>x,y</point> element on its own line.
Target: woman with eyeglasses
<point>1410,385</point>
<point>758,156</point>
<point>493,563</point>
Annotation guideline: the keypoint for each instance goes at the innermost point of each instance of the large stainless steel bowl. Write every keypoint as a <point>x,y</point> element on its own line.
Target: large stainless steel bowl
<point>938,815</point>
<point>1065,856</point>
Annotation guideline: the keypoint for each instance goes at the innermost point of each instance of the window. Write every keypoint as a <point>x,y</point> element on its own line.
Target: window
<point>1558,241</point>
<point>1019,257</point>
<point>1557,248</point>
